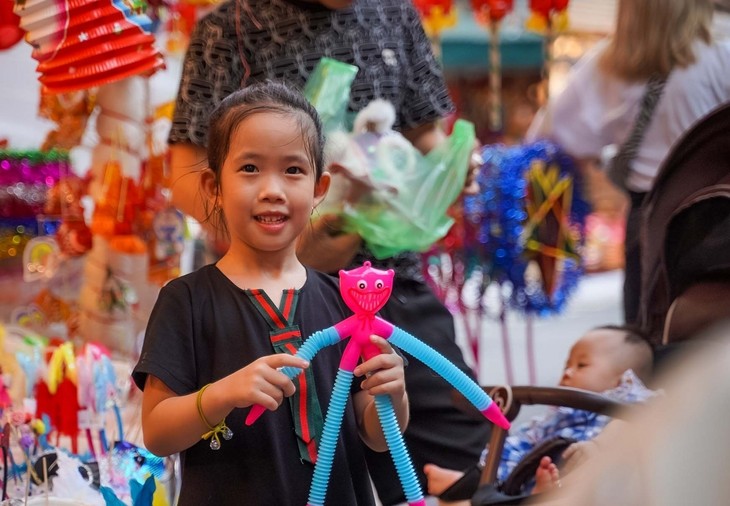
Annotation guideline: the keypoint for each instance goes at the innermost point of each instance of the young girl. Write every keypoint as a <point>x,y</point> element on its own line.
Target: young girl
<point>209,347</point>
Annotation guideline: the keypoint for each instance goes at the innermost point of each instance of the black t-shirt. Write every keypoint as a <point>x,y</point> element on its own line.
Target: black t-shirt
<point>202,328</point>
<point>247,41</point>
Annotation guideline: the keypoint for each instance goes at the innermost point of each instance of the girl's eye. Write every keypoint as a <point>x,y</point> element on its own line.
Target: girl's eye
<point>248,168</point>
<point>294,170</point>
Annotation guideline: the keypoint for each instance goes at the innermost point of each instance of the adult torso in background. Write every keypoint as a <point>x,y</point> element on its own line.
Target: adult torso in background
<point>246,41</point>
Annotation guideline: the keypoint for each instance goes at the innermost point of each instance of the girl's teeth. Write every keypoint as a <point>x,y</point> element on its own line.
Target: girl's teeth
<point>270,219</point>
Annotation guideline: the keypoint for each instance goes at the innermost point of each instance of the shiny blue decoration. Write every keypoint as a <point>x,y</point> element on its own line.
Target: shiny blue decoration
<point>497,216</point>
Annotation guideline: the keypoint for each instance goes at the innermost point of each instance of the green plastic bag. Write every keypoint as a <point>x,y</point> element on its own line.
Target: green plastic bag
<point>328,90</point>
<point>413,216</point>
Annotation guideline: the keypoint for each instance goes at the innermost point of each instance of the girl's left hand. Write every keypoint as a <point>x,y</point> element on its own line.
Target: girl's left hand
<point>384,373</point>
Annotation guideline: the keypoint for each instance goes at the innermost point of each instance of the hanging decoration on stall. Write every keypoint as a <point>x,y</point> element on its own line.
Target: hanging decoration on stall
<point>70,112</point>
<point>548,15</point>
<point>520,240</point>
<point>529,214</point>
<point>81,44</point>
<point>10,31</point>
<point>25,178</point>
<point>436,16</point>
<point>548,18</point>
<point>490,13</point>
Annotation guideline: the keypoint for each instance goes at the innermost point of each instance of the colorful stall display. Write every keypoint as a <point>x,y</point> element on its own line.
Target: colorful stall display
<point>63,433</point>
<point>25,179</point>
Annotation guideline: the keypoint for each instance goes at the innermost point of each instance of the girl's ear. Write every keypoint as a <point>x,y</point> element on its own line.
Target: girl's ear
<point>321,187</point>
<point>209,184</point>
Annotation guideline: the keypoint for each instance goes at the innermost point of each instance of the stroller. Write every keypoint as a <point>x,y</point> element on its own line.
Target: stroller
<point>686,235</point>
<point>479,484</point>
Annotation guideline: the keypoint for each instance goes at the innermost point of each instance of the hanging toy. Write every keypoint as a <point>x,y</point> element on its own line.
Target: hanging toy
<point>64,201</point>
<point>436,16</point>
<point>57,396</point>
<point>530,218</point>
<point>490,13</point>
<point>365,290</point>
<point>80,44</point>
<point>548,15</point>
<point>10,31</point>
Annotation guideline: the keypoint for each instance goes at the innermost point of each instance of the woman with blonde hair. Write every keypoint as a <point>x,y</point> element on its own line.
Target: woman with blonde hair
<point>640,90</point>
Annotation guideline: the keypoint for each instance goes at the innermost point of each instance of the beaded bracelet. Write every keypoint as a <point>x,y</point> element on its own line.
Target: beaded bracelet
<point>221,428</point>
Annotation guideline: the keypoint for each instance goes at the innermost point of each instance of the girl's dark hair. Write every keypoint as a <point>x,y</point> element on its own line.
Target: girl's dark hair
<point>267,96</point>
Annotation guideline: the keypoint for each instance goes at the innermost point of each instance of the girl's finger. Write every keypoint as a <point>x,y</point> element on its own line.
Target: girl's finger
<point>283,360</point>
<point>382,344</point>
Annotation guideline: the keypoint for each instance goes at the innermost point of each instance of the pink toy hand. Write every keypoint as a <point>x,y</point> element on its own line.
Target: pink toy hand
<point>493,413</point>
<point>256,411</point>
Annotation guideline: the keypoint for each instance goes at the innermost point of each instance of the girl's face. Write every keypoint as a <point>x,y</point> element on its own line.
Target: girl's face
<point>267,183</point>
<point>592,363</point>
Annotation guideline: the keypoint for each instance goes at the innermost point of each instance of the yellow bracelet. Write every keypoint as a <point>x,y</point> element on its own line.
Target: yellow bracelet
<point>221,428</point>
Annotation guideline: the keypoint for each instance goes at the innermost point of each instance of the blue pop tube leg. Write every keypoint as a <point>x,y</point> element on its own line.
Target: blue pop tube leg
<point>316,342</point>
<point>444,368</point>
<point>313,345</point>
<point>330,434</point>
<point>398,450</point>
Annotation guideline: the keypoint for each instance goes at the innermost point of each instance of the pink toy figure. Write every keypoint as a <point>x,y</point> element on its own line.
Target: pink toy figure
<point>365,290</point>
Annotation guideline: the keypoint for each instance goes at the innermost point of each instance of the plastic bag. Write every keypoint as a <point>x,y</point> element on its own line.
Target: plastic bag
<point>328,90</point>
<point>407,209</point>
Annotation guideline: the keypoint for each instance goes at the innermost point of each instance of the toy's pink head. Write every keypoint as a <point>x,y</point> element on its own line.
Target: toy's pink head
<point>365,289</point>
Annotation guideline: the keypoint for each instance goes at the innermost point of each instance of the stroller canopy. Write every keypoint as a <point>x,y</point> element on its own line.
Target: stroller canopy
<point>686,223</point>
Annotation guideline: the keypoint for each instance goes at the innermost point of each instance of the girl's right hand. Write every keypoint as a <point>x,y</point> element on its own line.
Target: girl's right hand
<point>261,382</point>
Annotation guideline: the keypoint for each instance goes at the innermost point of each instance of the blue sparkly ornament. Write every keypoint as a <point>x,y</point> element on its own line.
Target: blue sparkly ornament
<point>530,198</point>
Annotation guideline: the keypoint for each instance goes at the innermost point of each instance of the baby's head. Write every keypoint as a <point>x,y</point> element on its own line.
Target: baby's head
<point>598,359</point>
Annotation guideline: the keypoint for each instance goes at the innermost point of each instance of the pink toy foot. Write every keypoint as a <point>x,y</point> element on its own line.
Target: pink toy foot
<point>256,411</point>
<point>420,502</point>
<point>494,415</point>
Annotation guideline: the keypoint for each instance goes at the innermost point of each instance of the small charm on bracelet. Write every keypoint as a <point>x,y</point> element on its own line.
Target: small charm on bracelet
<point>227,433</point>
<point>220,429</point>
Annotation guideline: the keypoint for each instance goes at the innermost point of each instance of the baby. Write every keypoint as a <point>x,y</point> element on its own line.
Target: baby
<point>612,360</point>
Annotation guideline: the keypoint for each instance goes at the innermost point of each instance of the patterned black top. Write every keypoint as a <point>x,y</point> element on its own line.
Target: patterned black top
<point>247,41</point>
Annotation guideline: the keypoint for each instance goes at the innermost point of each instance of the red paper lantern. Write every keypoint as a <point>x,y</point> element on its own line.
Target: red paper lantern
<point>491,10</point>
<point>542,14</point>
<point>85,43</point>
<point>10,31</point>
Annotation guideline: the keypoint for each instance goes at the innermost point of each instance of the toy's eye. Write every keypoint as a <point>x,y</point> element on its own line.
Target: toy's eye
<point>379,284</point>
<point>362,285</point>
